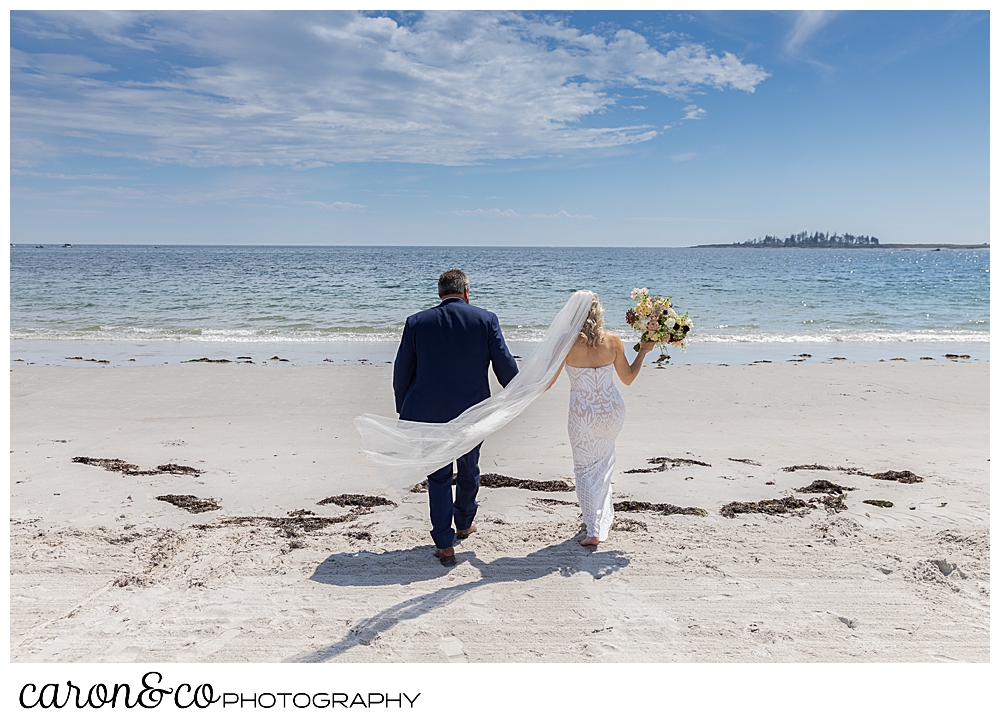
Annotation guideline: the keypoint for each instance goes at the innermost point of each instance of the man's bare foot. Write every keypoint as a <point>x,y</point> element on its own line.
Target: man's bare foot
<point>462,534</point>
<point>589,541</point>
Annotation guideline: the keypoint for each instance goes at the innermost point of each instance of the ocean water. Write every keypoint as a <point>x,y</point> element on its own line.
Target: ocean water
<point>351,302</point>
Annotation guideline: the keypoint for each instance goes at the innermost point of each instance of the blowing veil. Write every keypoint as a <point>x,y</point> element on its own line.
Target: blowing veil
<point>405,452</point>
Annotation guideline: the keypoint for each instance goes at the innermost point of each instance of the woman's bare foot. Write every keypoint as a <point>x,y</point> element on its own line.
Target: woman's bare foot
<point>589,542</point>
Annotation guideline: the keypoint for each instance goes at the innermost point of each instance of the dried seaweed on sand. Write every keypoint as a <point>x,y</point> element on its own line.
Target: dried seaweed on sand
<point>767,507</point>
<point>132,470</point>
<point>662,509</point>
<point>498,480</point>
<point>877,503</point>
<point>665,463</point>
<point>192,504</point>
<point>493,480</point>
<point>357,501</point>
<point>905,476</point>
<point>831,502</point>
<point>822,485</point>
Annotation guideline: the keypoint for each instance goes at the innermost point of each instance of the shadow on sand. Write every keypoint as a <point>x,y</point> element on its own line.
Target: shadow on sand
<point>401,567</point>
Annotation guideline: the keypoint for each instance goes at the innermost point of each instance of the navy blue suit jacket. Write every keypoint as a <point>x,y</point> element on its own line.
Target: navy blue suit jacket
<point>443,360</point>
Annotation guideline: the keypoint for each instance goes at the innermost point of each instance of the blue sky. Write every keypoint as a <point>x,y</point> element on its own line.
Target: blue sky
<point>569,128</point>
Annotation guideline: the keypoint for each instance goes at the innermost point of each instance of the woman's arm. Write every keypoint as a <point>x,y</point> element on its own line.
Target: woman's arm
<point>558,372</point>
<point>628,372</point>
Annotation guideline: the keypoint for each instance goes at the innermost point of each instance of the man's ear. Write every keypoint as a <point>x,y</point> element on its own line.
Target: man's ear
<point>465,294</point>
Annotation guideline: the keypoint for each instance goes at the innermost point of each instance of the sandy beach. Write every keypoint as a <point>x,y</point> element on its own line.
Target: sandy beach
<point>103,571</point>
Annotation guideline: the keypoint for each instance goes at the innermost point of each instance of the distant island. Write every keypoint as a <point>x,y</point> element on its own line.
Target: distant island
<point>820,240</point>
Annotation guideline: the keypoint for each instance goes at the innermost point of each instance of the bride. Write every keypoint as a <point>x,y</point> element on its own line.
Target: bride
<point>596,415</point>
<point>405,452</point>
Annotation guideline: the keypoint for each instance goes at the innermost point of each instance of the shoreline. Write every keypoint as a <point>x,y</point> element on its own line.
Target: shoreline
<point>104,570</point>
<point>121,354</point>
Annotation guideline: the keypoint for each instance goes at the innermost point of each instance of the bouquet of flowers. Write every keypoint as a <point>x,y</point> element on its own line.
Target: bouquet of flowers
<point>654,317</point>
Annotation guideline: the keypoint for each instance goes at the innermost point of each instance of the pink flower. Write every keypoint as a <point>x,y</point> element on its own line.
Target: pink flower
<point>652,326</point>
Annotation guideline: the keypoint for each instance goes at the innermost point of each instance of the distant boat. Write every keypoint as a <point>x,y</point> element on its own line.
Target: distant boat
<point>67,246</point>
<point>39,247</point>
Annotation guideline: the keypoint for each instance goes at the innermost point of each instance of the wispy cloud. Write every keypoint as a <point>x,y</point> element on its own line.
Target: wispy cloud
<point>679,157</point>
<point>807,23</point>
<point>561,214</point>
<point>305,89</point>
<point>693,112</point>
<point>67,176</point>
<point>491,212</point>
<point>511,213</point>
<point>334,205</point>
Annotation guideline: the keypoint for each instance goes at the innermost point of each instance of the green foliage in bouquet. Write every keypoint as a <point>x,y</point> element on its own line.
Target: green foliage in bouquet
<point>655,319</point>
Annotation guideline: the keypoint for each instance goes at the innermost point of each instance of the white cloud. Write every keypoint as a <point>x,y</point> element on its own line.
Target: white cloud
<point>807,23</point>
<point>68,176</point>
<point>333,205</point>
<point>308,89</point>
<point>693,112</point>
<point>491,212</point>
<point>561,214</point>
<point>511,213</point>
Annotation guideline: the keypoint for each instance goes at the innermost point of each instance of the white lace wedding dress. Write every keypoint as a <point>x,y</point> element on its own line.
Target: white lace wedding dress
<point>596,416</point>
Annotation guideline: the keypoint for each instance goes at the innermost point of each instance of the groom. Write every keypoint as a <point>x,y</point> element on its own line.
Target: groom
<point>440,371</point>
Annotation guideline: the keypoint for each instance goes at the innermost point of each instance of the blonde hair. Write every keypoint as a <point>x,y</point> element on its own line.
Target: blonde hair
<point>593,328</point>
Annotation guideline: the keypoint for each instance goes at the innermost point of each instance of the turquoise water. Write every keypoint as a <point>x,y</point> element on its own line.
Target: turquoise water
<point>314,298</point>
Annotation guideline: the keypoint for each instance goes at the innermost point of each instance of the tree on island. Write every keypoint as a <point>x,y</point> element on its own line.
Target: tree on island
<point>815,240</point>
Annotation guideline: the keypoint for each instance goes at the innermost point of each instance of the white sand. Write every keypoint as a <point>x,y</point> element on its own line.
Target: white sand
<point>102,571</point>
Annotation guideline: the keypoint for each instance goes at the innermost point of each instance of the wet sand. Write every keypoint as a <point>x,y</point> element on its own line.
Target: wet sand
<point>224,536</point>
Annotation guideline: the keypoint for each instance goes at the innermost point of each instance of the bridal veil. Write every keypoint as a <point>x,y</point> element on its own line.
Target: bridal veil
<point>405,452</point>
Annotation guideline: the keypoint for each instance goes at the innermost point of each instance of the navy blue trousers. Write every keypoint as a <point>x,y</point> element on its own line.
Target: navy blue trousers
<point>462,508</point>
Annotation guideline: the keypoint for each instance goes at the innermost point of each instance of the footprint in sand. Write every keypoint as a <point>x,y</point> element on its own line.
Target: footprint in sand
<point>481,598</point>
<point>452,647</point>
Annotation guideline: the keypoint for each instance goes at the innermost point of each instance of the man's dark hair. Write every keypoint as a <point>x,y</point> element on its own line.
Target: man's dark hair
<point>453,281</point>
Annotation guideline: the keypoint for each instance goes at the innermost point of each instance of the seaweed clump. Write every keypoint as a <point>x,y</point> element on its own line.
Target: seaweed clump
<point>291,526</point>
<point>192,504</point>
<point>367,501</point>
<point>662,509</point>
<point>877,503</point>
<point>665,463</point>
<point>492,480</point>
<point>905,476</point>
<point>132,470</point>
<point>831,502</point>
<point>299,521</point>
<point>767,507</point>
<point>822,485</point>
